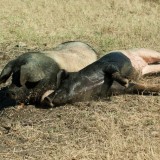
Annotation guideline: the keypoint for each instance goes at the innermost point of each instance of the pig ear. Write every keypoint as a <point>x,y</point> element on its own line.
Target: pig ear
<point>30,73</point>
<point>62,74</point>
<point>7,71</point>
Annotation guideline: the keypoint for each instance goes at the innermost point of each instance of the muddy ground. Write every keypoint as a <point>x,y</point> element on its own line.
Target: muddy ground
<point>126,127</point>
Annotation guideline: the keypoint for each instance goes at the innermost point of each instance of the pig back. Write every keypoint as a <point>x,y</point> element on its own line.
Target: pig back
<point>72,56</point>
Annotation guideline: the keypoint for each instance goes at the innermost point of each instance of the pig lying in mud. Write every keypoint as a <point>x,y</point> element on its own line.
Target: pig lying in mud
<point>111,74</point>
<point>34,73</point>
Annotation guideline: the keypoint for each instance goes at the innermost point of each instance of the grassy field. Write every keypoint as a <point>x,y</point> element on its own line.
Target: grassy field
<point>125,128</point>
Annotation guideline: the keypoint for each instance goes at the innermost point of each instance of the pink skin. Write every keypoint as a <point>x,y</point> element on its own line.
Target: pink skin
<point>151,69</point>
<point>143,60</point>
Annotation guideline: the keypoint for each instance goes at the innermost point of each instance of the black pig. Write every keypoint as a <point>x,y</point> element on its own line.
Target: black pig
<point>111,73</point>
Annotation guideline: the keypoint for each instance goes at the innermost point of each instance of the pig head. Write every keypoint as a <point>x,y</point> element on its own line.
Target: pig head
<point>32,74</point>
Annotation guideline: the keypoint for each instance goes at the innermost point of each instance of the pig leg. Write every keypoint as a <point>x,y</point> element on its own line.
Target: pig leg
<point>134,88</point>
<point>149,56</point>
<point>116,75</point>
<point>143,88</point>
<point>106,87</point>
<point>151,69</point>
<point>108,81</point>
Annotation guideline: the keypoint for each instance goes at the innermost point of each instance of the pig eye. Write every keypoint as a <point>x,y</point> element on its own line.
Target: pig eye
<point>30,85</point>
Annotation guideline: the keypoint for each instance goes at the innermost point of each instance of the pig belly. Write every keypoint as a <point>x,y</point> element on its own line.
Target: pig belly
<point>148,55</point>
<point>137,62</point>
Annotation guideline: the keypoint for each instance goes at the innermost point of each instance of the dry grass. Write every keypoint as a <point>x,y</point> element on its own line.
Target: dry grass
<point>106,24</point>
<point>125,128</point>
<point>128,127</point>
